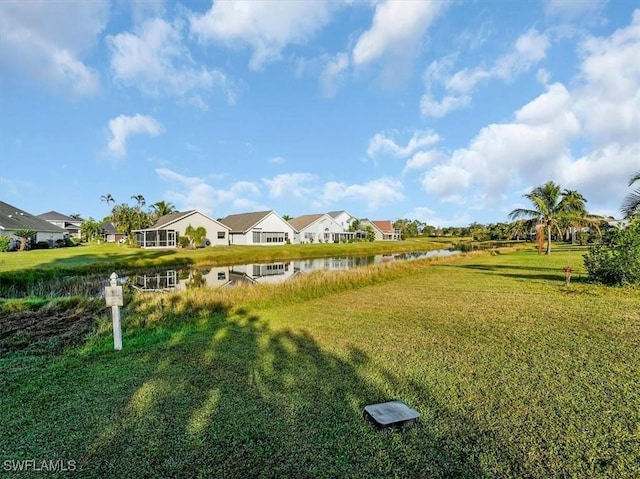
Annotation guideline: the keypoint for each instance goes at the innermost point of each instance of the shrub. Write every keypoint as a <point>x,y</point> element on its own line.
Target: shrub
<point>5,244</point>
<point>617,261</point>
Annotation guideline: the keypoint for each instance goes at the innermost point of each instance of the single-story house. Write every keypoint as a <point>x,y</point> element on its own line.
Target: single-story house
<point>13,219</point>
<point>110,234</point>
<point>319,228</point>
<point>258,228</point>
<point>166,231</point>
<point>383,230</point>
<point>68,223</point>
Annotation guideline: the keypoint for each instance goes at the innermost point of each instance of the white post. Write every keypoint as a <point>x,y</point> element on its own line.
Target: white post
<point>114,298</point>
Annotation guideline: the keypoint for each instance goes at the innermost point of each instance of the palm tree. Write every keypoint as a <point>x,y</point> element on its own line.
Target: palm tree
<point>139,200</point>
<point>550,206</point>
<point>631,204</point>
<point>162,208</point>
<point>107,199</point>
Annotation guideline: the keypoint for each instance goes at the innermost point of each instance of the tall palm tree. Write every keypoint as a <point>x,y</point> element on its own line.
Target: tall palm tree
<point>550,205</point>
<point>631,204</point>
<point>139,200</point>
<point>162,208</point>
<point>107,199</point>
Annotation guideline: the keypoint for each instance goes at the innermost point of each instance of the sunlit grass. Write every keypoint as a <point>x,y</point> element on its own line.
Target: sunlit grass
<point>514,374</point>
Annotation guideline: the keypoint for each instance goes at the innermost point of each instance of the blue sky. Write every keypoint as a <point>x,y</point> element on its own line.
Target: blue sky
<point>446,111</point>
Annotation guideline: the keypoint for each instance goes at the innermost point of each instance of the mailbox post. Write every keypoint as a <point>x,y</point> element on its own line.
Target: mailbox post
<point>114,298</point>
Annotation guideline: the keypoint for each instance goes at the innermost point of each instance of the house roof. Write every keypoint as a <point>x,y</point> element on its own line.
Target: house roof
<point>384,226</point>
<point>301,222</point>
<point>165,221</point>
<point>12,218</point>
<point>109,229</point>
<point>245,221</point>
<point>55,216</point>
<point>335,214</point>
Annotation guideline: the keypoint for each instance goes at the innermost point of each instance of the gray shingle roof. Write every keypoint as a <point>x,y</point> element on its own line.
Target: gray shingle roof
<point>243,222</point>
<point>303,221</point>
<point>55,216</point>
<point>12,218</point>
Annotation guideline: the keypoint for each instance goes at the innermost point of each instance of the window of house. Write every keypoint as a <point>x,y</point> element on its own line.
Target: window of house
<point>221,234</point>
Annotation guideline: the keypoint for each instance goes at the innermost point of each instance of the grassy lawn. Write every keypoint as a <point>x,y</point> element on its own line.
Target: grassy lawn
<point>92,257</point>
<point>514,375</point>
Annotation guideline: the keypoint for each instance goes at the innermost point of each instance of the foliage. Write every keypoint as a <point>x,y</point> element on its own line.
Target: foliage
<point>196,235</point>
<point>631,205</point>
<point>553,208</point>
<point>5,244</point>
<point>90,229</point>
<point>617,261</point>
<point>370,235</point>
<point>161,208</point>
<point>24,235</point>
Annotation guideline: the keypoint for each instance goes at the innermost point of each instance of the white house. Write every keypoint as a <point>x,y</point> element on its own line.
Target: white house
<point>383,230</point>
<point>258,228</point>
<point>68,223</point>
<point>343,218</point>
<point>167,230</point>
<point>13,219</point>
<point>319,228</point>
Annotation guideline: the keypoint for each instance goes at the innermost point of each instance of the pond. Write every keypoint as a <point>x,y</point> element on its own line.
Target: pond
<point>92,285</point>
<point>261,273</point>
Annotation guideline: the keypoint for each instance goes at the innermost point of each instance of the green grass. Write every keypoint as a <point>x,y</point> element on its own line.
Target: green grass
<point>514,374</point>
<point>92,257</point>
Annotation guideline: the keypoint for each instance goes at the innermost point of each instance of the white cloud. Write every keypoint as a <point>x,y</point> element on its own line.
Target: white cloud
<point>33,43</point>
<point>571,9</point>
<point>433,108</point>
<point>276,160</point>
<point>266,26</point>
<point>155,60</point>
<point>600,116</point>
<point>375,192</point>
<point>608,100</point>
<point>396,28</point>
<point>430,217</point>
<point>421,160</point>
<point>333,74</point>
<point>124,126</point>
<point>382,144</point>
<point>195,193</point>
<point>291,185</point>
<point>528,50</point>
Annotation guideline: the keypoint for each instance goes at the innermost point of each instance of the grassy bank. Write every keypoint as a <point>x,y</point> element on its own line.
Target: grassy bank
<point>94,257</point>
<point>514,374</point>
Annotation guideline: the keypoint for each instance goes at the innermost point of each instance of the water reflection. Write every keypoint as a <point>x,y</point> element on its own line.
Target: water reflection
<point>262,273</point>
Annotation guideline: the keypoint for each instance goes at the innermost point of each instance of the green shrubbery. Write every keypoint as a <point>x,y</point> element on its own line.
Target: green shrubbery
<point>617,260</point>
<point>5,244</point>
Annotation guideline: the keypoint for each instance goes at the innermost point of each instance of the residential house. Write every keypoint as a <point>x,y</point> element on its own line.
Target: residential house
<point>258,228</point>
<point>343,218</point>
<point>110,234</point>
<point>166,231</point>
<point>68,223</point>
<point>384,230</point>
<point>319,228</point>
<point>13,219</point>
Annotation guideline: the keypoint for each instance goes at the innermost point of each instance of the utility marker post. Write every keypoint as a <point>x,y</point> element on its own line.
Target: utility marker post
<point>114,298</point>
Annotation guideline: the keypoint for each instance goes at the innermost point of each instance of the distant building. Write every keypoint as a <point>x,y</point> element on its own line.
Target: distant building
<point>69,224</point>
<point>13,219</point>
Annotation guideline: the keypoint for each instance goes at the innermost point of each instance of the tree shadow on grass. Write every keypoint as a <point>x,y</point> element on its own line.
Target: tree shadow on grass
<point>527,272</point>
<point>230,397</point>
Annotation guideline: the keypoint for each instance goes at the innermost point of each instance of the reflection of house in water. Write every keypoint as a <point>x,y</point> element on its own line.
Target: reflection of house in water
<point>215,277</point>
<point>331,264</point>
<point>159,281</point>
<point>262,273</point>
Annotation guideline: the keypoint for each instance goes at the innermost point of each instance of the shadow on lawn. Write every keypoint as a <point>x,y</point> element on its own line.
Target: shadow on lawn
<point>233,398</point>
<point>524,272</point>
